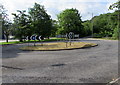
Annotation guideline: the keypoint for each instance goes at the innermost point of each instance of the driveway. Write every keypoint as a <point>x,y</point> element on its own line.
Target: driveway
<point>90,65</point>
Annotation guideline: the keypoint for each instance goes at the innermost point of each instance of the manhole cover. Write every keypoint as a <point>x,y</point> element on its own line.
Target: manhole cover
<point>58,64</point>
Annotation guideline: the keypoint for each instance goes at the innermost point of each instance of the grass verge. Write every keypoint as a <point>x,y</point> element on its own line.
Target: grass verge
<point>58,46</point>
<point>31,41</point>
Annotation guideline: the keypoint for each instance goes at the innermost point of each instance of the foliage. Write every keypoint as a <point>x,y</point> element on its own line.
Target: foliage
<point>116,33</point>
<point>117,29</point>
<point>41,22</point>
<point>6,23</point>
<point>70,21</point>
<point>21,25</point>
<point>103,25</point>
<point>87,28</point>
<point>115,5</point>
<point>54,28</point>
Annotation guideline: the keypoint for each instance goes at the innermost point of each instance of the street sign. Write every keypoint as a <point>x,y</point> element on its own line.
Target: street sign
<point>71,35</point>
<point>33,37</point>
<point>28,37</point>
<point>39,37</point>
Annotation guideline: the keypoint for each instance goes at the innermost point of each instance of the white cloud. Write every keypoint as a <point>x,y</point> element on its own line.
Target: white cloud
<point>54,7</point>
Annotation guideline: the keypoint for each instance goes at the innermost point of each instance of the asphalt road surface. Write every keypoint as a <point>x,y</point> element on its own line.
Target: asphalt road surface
<point>90,65</point>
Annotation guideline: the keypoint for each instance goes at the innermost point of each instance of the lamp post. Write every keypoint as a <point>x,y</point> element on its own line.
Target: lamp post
<point>91,24</point>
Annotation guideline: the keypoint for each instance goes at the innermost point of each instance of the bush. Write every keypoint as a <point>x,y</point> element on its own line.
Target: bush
<point>116,33</point>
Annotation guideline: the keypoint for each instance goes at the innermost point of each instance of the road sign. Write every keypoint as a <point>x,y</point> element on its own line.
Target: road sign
<point>39,37</point>
<point>33,37</point>
<point>28,38</point>
<point>71,35</point>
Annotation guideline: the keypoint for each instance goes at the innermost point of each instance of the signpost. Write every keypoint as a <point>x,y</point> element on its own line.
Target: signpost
<point>71,36</point>
<point>33,37</point>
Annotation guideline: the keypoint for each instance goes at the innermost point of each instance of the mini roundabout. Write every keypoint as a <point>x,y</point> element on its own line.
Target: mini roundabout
<point>56,46</point>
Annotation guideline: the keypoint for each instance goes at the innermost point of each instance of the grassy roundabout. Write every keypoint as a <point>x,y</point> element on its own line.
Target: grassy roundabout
<point>58,46</point>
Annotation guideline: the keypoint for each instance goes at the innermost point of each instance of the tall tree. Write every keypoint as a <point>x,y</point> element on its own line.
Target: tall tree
<point>6,23</point>
<point>41,21</point>
<point>87,28</point>
<point>21,25</point>
<point>54,28</point>
<point>70,21</point>
<point>117,6</point>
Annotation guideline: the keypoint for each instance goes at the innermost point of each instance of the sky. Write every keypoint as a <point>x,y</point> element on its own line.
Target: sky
<point>54,7</point>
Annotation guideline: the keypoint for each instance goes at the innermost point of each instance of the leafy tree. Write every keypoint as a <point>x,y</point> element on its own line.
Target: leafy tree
<point>70,21</point>
<point>6,24</point>
<point>41,22</point>
<point>21,25</point>
<point>54,28</point>
<point>117,13</point>
<point>87,28</point>
<point>116,33</point>
<point>115,5</point>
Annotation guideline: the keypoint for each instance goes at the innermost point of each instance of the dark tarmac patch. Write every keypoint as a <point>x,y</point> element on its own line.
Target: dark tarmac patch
<point>61,64</point>
<point>12,67</point>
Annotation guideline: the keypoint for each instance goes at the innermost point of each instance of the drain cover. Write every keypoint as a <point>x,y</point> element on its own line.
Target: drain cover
<point>58,64</point>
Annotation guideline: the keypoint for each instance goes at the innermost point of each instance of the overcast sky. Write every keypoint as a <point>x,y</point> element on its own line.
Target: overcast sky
<point>54,7</point>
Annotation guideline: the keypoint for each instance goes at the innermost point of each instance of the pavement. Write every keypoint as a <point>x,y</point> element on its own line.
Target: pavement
<point>90,65</point>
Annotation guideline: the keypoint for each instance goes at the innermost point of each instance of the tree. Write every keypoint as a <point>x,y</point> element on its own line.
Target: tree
<point>41,22</point>
<point>54,28</point>
<point>21,25</point>
<point>87,28</point>
<point>115,5</point>
<point>6,24</point>
<point>102,25</point>
<point>117,28</point>
<point>70,21</point>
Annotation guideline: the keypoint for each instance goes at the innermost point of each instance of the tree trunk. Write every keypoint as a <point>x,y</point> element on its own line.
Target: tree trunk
<point>21,40</point>
<point>48,37</point>
<point>7,38</point>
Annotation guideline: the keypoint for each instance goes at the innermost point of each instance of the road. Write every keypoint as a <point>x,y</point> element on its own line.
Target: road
<point>90,65</point>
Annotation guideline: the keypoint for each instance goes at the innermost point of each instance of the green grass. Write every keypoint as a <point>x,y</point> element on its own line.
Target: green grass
<point>45,40</point>
<point>5,43</point>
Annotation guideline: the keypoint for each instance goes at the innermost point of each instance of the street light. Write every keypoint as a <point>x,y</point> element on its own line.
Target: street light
<point>91,23</point>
